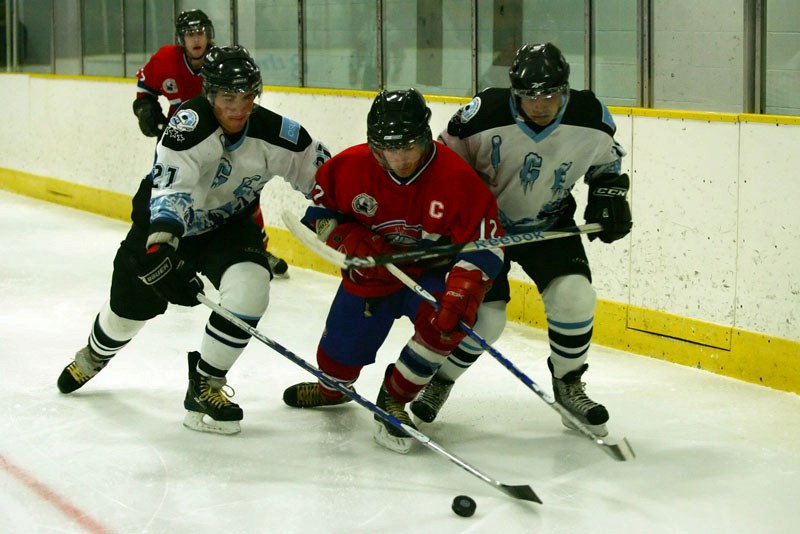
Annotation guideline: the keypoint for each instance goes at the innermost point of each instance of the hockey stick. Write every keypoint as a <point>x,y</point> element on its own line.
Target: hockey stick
<point>619,451</point>
<point>451,249</point>
<point>521,492</point>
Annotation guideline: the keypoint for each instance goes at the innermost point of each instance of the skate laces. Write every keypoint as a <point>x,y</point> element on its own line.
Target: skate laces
<point>396,409</point>
<point>575,393</point>
<point>78,374</point>
<point>308,394</point>
<point>436,392</point>
<point>272,259</point>
<point>217,396</point>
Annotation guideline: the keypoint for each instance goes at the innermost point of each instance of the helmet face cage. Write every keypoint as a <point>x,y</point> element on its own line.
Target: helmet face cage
<point>193,20</point>
<point>398,119</point>
<point>539,71</point>
<point>230,69</point>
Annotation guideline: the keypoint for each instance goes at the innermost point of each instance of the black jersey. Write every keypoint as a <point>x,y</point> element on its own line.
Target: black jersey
<point>532,173</point>
<point>201,177</point>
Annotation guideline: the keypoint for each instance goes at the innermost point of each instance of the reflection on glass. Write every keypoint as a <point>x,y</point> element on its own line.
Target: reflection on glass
<point>341,44</point>
<point>783,58</point>
<point>268,28</point>
<point>102,38</point>
<point>34,36</point>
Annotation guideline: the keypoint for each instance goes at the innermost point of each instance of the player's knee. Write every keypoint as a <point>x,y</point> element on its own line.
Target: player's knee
<point>116,327</point>
<point>491,320</point>
<point>244,289</point>
<point>569,298</point>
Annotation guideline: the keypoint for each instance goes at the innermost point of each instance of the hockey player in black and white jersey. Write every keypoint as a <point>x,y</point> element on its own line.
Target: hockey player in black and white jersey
<point>193,213</point>
<point>531,143</point>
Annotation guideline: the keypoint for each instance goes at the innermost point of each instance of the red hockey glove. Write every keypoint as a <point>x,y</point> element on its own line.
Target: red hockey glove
<point>463,294</point>
<point>355,239</point>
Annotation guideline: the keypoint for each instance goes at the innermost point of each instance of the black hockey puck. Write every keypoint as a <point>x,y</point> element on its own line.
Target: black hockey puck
<point>464,506</point>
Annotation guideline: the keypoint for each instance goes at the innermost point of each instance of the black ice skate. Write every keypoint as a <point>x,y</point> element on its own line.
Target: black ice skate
<point>569,392</point>
<point>307,395</point>
<point>279,267</point>
<point>208,407</point>
<point>83,368</point>
<point>386,434</point>
<point>431,399</point>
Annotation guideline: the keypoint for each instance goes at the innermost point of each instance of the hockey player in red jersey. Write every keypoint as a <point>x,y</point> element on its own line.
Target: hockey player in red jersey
<point>532,143</point>
<point>399,190</point>
<point>173,72</point>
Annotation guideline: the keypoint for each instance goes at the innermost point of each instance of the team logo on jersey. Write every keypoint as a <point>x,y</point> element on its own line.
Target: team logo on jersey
<point>170,85</point>
<point>224,170</point>
<point>471,109</point>
<point>185,120</point>
<point>365,204</point>
<point>398,232</point>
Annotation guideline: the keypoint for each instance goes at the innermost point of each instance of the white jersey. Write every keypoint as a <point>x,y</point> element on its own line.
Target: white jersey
<point>532,174</point>
<point>201,178</point>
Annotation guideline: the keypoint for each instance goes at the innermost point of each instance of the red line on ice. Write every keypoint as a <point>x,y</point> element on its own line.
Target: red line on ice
<point>52,497</point>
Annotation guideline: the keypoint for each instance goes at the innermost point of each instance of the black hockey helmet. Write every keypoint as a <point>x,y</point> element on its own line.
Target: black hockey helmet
<point>539,69</point>
<point>398,119</point>
<point>193,20</point>
<point>230,69</point>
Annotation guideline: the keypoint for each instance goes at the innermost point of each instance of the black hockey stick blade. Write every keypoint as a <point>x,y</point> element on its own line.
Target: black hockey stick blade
<point>523,493</point>
<point>621,451</point>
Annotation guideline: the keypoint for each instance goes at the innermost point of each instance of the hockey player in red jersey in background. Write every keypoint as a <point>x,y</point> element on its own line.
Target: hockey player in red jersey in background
<point>399,190</point>
<point>174,73</point>
<point>532,142</point>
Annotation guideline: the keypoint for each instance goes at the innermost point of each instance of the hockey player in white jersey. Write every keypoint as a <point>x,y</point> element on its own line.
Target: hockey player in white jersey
<point>531,143</point>
<point>194,214</point>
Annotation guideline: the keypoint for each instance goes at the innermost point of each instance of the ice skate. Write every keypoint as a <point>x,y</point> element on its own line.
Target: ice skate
<point>431,399</point>
<point>307,395</point>
<point>207,404</point>
<point>83,368</point>
<point>386,434</point>
<point>279,267</point>
<point>569,392</point>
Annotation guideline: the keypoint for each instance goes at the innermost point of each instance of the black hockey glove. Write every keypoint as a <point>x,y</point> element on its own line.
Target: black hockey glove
<point>151,119</point>
<point>169,276</point>
<point>607,205</point>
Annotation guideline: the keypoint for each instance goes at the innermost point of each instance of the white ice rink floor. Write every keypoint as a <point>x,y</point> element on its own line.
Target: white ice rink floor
<point>715,455</point>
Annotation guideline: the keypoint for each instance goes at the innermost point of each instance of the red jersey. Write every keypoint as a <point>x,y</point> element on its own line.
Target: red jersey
<point>443,202</point>
<point>169,74</point>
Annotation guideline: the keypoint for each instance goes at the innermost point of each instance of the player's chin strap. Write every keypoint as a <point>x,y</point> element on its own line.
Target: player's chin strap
<point>525,493</point>
<point>621,451</point>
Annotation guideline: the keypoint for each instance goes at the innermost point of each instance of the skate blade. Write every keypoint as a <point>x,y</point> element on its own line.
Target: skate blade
<point>202,423</point>
<point>401,445</point>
